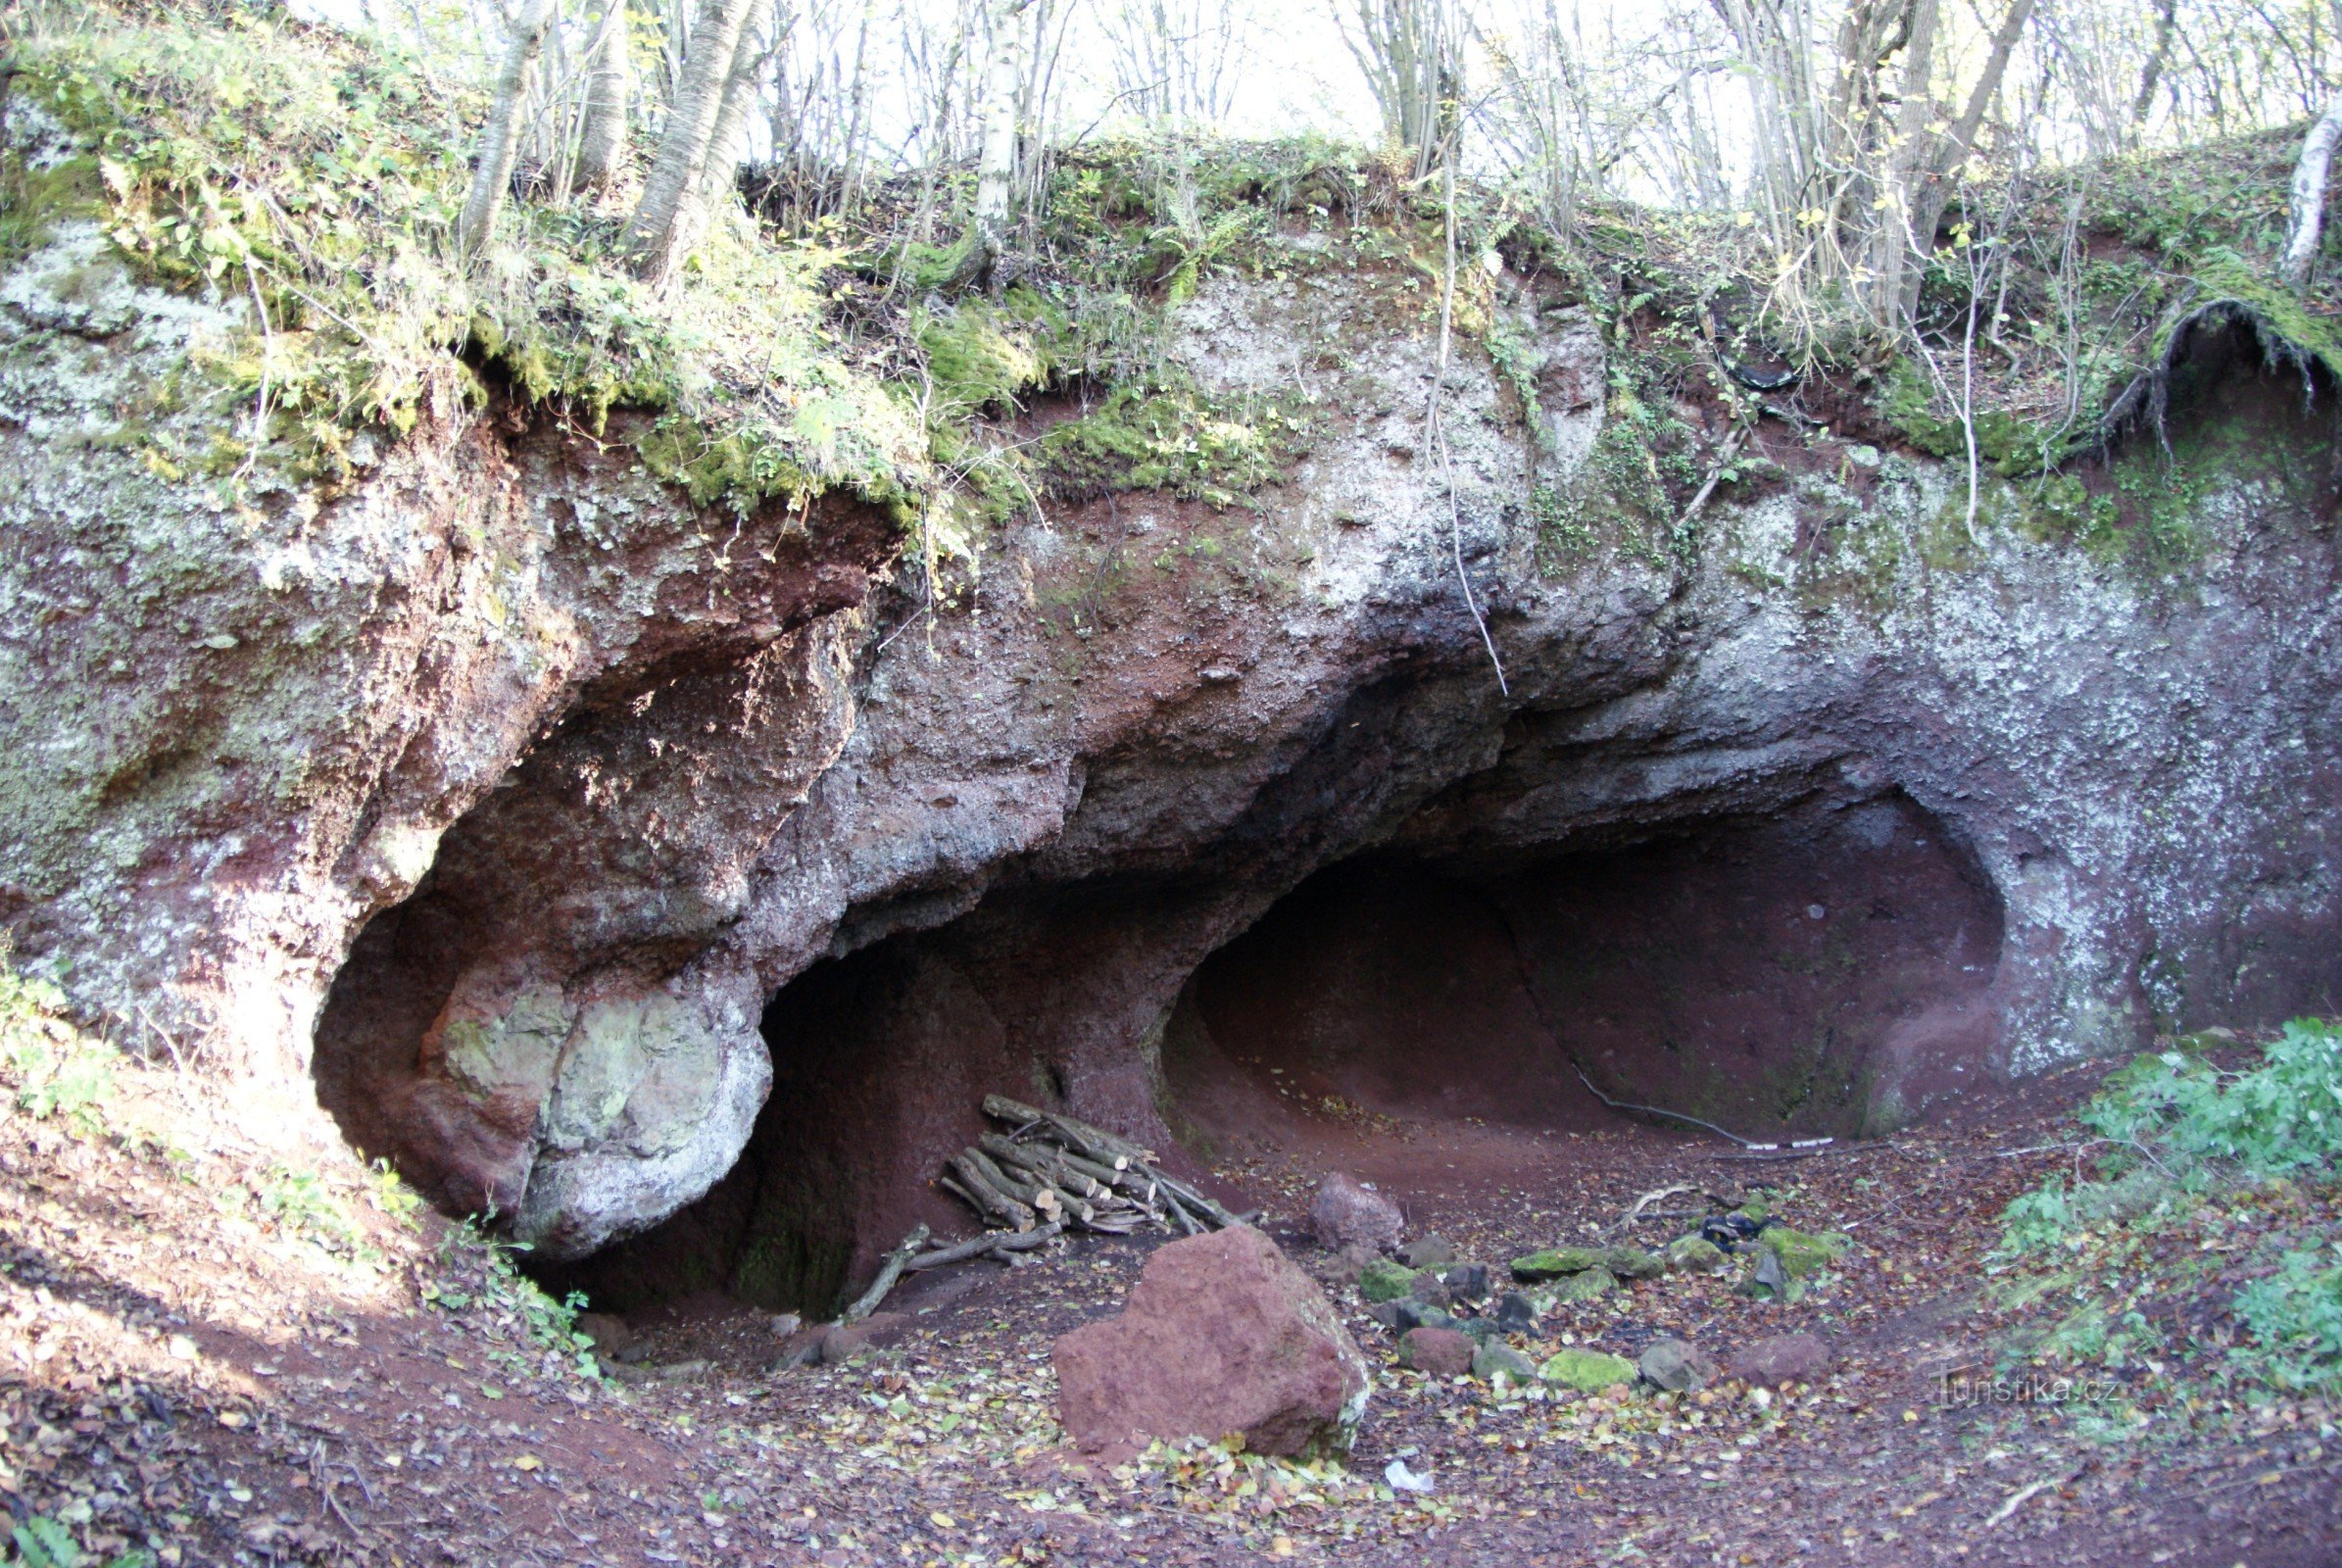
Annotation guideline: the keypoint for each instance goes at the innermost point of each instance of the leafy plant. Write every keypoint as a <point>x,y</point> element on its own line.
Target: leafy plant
<point>43,1543</point>
<point>55,1069</point>
<point>2190,1151</point>
<point>2296,1313</point>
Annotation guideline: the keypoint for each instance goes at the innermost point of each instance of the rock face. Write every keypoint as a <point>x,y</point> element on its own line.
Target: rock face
<point>527,808</point>
<point>1345,1213</point>
<point>1223,1333</point>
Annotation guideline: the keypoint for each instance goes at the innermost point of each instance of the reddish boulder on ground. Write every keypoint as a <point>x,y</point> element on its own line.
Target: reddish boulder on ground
<point>1440,1352</point>
<point>1223,1333</point>
<point>841,1342</point>
<point>1348,1213</point>
<point>1780,1358</point>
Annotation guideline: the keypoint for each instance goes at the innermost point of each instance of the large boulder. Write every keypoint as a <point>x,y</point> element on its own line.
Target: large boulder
<point>1222,1333</point>
<point>1345,1213</point>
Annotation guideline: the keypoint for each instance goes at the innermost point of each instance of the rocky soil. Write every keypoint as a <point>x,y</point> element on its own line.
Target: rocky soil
<point>226,1350</point>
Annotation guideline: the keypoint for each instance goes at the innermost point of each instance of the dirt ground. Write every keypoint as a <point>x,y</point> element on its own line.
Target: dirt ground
<point>228,1353</point>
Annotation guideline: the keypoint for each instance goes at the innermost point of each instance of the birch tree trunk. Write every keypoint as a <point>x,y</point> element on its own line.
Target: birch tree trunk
<point>2309,198</point>
<point>499,137</point>
<point>658,233</point>
<point>995,163</point>
<point>609,80</point>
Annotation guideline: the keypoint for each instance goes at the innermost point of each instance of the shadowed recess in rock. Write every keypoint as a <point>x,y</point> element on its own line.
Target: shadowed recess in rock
<point>880,1062</point>
<point>1823,973</point>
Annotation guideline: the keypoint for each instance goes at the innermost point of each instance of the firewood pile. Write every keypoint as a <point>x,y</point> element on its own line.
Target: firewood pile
<point>1049,1170</point>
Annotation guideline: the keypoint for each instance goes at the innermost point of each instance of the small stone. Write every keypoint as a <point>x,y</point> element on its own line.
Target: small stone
<point>608,1334</point>
<point>1468,1282</point>
<point>1554,1262</point>
<point>1431,1290</point>
<point>1427,1252</point>
<point>1590,1371</point>
<point>785,1324</point>
<point>843,1341</point>
<point>1768,1281</point>
<point>1345,1213</point>
<point>1350,1261</point>
<point>1634,1263</point>
<point>1440,1352</point>
<point>1801,1253</point>
<point>1385,1281</point>
<point>1780,1358</point>
<point>1516,1313</point>
<point>1587,1286</point>
<point>1677,1366</point>
<point>1491,1360</point>
<point>1388,1313</point>
<point>1694,1254</point>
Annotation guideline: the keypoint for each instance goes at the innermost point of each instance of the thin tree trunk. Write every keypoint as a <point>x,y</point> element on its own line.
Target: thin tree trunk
<point>729,142</point>
<point>610,79</point>
<point>995,163</point>
<point>2166,19</point>
<point>2309,198</point>
<point>499,137</point>
<point>658,233</point>
<point>1934,193</point>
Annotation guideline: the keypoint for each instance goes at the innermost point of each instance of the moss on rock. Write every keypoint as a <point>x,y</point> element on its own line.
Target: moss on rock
<point>1587,1371</point>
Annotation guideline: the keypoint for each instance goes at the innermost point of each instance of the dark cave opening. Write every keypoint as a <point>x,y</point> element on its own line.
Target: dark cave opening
<point>1821,971</point>
<point>880,1059</point>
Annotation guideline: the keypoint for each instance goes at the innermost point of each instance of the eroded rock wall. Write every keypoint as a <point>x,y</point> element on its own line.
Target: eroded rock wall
<point>606,774</point>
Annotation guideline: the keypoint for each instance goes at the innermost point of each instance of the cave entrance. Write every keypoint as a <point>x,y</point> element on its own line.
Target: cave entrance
<point>880,1060</point>
<point>1819,972</point>
<point>1816,973</point>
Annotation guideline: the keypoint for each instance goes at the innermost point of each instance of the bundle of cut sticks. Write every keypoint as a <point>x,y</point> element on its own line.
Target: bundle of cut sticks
<point>1051,1170</point>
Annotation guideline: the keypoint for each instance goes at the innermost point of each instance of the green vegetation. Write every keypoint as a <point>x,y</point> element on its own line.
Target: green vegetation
<point>2209,1195</point>
<point>528,1329</point>
<point>1177,439</point>
<point>52,1068</point>
<point>316,179</point>
<point>43,1543</point>
<point>309,185</point>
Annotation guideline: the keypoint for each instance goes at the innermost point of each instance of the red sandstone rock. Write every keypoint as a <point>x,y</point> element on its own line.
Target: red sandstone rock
<point>1440,1352</point>
<point>1223,1333</point>
<point>1780,1358</point>
<point>843,1341</point>
<point>1345,1214</point>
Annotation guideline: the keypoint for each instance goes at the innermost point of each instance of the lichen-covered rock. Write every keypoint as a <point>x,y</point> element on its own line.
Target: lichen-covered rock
<point>1383,1280</point>
<point>1585,1285</point>
<point>1222,1333</point>
<point>503,789</point>
<point>1588,1371</point>
<point>1554,1262</point>
<point>1802,1253</point>
<point>1634,1263</point>
<point>1694,1254</point>
<point>1494,1361</point>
